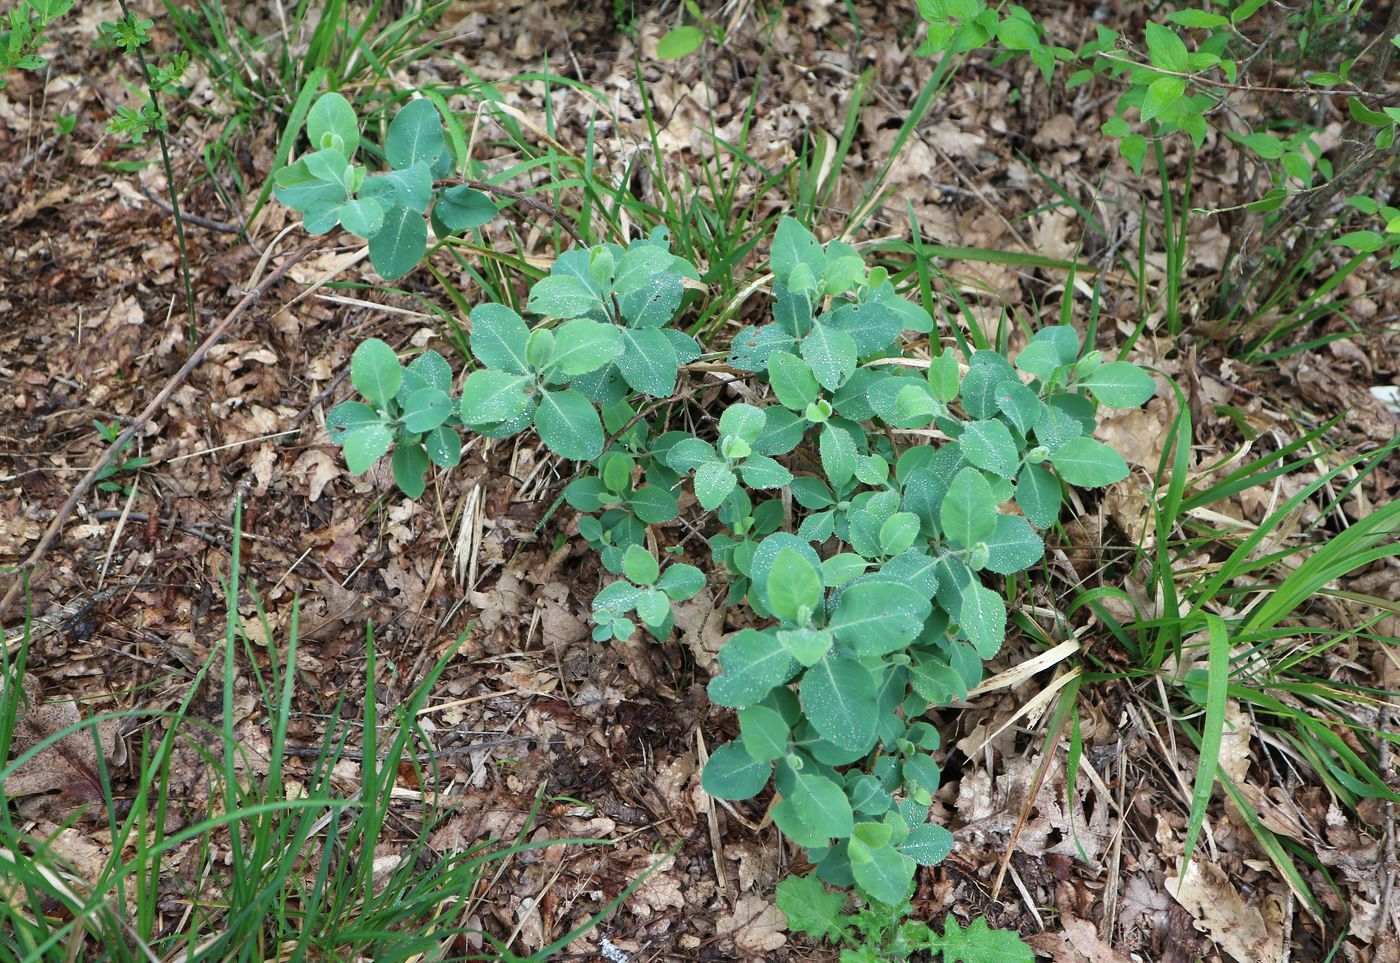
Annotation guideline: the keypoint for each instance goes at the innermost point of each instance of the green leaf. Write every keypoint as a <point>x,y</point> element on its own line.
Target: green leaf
<point>882,873</point>
<point>1017,34</point>
<point>793,244</point>
<point>1197,18</point>
<point>916,404</point>
<point>375,371</point>
<point>979,944</point>
<point>873,835</point>
<point>794,587</point>
<point>921,771</point>
<point>616,598</point>
<point>874,324</point>
<point>491,397</point>
<point>822,805</point>
<point>426,409</point>
<point>347,416</point>
<point>363,216</point>
<point>732,773</point>
<point>760,471</point>
<point>927,845</point>
<point>561,296</point>
<point>898,532</point>
<point>689,454</point>
<point>415,136</point>
<point>1133,148</point>
<point>499,337</point>
<point>1366,242</point>
<point>1365,115</point>
<point>792,380</point>
<point>1021,406</point>
<point>742,421</point>
<point>830,353</point>
<point>444,447</point>
<point>680,42</point>
<point>681,581</point>
<point>968,514</point>
<point>654,504</point>
<point>713,483</point>
<point>648,361</point>
<point>365,445</point>
<point>838,455</point>
<point>1161,95</point>
<point>569,425</point>
<point>1212,730</point>
<point>1038,495</point>
<point>301,190</point>
<point>807,646</point>
<point>812,909</point>
<point>1056,427</point>
<point>989,445</point>
<point>764,733</point>
<point>654,609</point>
<point>754,663</point>
<point>982,617</point>
<point>1120,384</point>
<point>399,245</point>
<point>1265,145</point>
<point>839,699</point>
<point>411,187</point>
<point>1166,49</point>
<point>462,208</point>
<point>868,796</point>
<point>943,376</point>
<point>433,369</point>
<point>410,463</point>
<point>1014,546</point>
<point>332,119</point>
<point>583,345</point>
<point>877,618</point>
<point>1088,463</point>
<point>842,568</point>
<point>640,566</point>
<point>751,347</point>
<point>843,272</point>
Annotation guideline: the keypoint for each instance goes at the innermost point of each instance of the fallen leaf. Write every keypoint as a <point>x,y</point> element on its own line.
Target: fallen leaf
<point>69,765</point>
<point>756,926</point>
<point>1237,928</point>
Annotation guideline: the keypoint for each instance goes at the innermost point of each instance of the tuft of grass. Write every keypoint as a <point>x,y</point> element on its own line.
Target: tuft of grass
<point>1233,597</point>
<point>285,866</point>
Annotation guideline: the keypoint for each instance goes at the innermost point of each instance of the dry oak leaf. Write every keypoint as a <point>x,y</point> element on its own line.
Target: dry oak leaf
<point>756,926</point>
<point>68,765</point>
<point>1237,928</point>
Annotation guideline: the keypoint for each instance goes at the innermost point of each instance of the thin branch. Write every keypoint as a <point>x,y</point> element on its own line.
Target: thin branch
<point>189,218</point>
<point>533,202</point>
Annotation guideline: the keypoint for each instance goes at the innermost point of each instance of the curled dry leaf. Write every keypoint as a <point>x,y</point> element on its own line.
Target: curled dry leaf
<point>1238,928</point>
<point>68,766</point>
<point>757,927</point>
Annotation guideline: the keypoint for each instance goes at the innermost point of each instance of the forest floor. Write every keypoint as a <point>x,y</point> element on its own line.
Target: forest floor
<point>612,737</point>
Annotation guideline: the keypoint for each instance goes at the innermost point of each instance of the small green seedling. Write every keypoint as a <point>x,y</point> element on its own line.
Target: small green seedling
<point>117,465</point>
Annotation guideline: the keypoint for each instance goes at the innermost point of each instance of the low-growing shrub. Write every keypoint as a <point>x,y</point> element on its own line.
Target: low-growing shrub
<point>912,480</point>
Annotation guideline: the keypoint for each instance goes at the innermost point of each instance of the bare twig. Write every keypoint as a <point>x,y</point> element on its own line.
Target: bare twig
<point>533,202</point>
<point>189,218</point>
<point>356,755</point>
<point>178,378</point>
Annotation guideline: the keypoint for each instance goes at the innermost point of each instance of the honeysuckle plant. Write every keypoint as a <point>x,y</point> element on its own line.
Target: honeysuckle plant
<point>867,557</point>
<point>390,208</point>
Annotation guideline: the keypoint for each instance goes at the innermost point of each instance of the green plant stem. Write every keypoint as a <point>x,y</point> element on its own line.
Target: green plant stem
<point>169,182</point>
